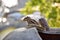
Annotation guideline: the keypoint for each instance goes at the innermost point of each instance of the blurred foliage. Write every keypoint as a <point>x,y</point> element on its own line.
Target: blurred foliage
<point>57,1</point>
<point>45,7</point>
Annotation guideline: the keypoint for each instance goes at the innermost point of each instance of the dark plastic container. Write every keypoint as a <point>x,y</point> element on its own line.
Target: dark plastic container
<point>53,34</point>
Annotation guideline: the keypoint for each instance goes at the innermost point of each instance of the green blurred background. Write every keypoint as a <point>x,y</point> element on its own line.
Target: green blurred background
<point>47,7</point>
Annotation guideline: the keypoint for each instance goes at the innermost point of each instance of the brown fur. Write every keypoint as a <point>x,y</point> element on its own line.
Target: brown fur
<point>33,23</point>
